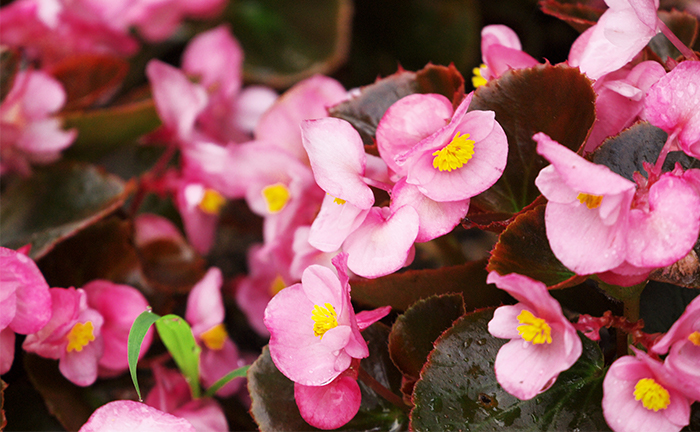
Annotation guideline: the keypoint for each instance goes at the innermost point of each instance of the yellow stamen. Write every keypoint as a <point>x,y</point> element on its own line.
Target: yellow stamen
<point>653,396</point>
<point>339,201</point>
<point>212,201</point>
<point>533,329</point>
<point>215,337</point>
<point>276,196</point>
<point>324,319</point>
<point>591,201</point>
<point>79,336</point>
<point>694,337</point>
<point>455,154</point>
<point>277,285</point>
<point>478,80</point>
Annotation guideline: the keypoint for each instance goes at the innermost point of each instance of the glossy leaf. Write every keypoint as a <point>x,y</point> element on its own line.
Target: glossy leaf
<point>579,15</point>
<point>177,336</point>
<point>468,279</point>
<point>236,373</point>
<point>523,248</point>
<point>137,332</point>
<point>56,203</point>
<point>280,45</point>
<point>661,304</point>
<point>556,100</point>
<point>365,110</point>
<point>458,388</point>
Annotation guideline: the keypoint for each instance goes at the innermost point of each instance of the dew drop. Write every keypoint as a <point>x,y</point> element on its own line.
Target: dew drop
<point>481,342</point>
<point>435,404</point>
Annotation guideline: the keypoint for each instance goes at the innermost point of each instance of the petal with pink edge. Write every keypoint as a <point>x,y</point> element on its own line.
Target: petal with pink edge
<point>123,415</point>
<point>329,406</point>
<point>205,305</point>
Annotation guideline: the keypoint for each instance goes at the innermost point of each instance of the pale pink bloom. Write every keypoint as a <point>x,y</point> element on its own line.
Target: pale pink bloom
<point>638,395</point>
<point>149,227</point>
<point>683,341</point>
<point>205,313</point>
<point>335,221</point>
<point>199,208</point>
<point>459,159</point>
<point>29,132</point>
<point>72,336</point>
<point>673,104</point>
<point>25,301</point>
<point>126,415</point>
<point>619,35</point>
<point>157,20</point>
<point>119,306</point>
<point>501,51</point>
<point>304,254</point>
<point>172,394</point>
<point>543,342</point>
<point>314,334</point>
<point>332,405</point>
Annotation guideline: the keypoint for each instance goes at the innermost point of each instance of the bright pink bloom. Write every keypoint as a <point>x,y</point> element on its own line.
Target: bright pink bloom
<point>72,336</point>
<point>332,405</point>
<point>119,306</point>
<point>29,132</point>
<point>683,341</point>
<point>673,104</point>
<point>25,301</point>
<point>126,415</point>
<point>157,20</point>
<point>619,35</point>
<point>543,342</point>
<point>205,313</point>
<point>314,334</point>
<point>501,51</point>
<point>638,396</point>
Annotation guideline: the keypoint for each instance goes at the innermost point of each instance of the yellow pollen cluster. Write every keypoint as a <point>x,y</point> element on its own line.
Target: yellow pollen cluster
<point>591,201</point>
<point>478,80</point>
<point>324,319</point>
<point>694,337</point>
<point>212,201</point>
<point>79,336</point>
<point>215,337</point>
<point>533,329</point>
<point>277,285</point>
<point>653,396</point>
<point>276,196</point>
<point>455,154</point>
<point>339,201</point>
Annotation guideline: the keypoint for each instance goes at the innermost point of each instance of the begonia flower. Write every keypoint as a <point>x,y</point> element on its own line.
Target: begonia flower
<point>673,104</point>
<point>205,313</point>
<point>682,343</point>
<point>542,344</point>
<point>30,135</point>
<point>639,395</point>
<point>332,405</point>
<point>126,415</point>
<point>501,51</point>
<point>314,334</point>
<point>25,301</point>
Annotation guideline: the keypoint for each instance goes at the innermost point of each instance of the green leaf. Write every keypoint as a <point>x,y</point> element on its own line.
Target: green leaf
<point>236,373</point>
<point>136,334</point>
<point>523,248</point>
<point>468,279</point>
<point>177,337</point>
<point>57,202</point>
<point>458,388</point>
<point>281,47</point>
<point>556,100</point>
<point>365,111</point>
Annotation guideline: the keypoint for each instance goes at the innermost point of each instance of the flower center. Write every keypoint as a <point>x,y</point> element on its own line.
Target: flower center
<point>339,201</point>
<point>324,319</point>
<point>79,336</point>
<point>212,201</point>
<point>653,396</point>
<point>591,201</point>
<point>455,154</point>
<point>277,285</point>
<point>533,329</point>
<point>478,80</point>
<point>276,196</point>
<point>694,337</point>
<point>215,337</point>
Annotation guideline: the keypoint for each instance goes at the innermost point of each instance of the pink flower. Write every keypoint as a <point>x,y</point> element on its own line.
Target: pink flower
<point>500,51</point>
<point>332,405</point>
<point>673,104</point>
<point>543,342</point>
<point>205,313</point>
<point>638,395</point>
<point>314,334</point>
<point>72,336</point>
<point>683,341</point>
<point>29,133</point>
<point>25,301</point>
<point>126,415</point>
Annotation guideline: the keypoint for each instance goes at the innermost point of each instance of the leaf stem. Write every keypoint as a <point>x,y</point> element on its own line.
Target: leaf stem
<point>687,52</point>
<point>381,390</point>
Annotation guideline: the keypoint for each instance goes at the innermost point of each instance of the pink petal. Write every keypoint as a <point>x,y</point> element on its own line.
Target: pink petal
<point>205,415</point>
<point>214,364</point>
<point>122,415</point>
<point>7,349</point>
<point>217,58</point>
<point>504,323</point>
<point>367,318</point>
<point>329,406</point>
<point>205,306</point>
<point>26,301</point>
<point>80,367</point>
<point>499,34</point>
<point>334,223</point>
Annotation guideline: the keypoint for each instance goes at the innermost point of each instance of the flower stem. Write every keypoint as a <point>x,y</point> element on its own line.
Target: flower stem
<point>381,390</point>
<point>687,52</point>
